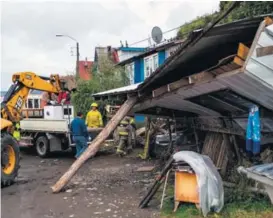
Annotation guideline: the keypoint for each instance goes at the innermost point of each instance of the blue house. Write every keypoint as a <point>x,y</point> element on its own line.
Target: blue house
<point>140,63</point>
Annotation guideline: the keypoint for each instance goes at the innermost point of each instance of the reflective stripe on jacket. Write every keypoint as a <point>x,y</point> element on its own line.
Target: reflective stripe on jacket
<point>94,119</point>
<point>122,130</point>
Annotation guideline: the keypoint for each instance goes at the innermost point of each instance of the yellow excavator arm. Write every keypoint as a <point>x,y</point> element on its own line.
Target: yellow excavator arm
<point>16,96</point>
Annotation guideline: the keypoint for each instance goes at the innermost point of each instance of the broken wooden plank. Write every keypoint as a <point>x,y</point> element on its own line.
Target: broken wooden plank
<point>95,144</point>
<point>242,51</point>
<point>263,51</point>
<point>201,77</point>
<point>145,169</point>
<point>238,61</point>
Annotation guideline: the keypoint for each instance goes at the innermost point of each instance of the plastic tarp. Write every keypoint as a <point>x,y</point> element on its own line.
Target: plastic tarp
<point>210,185</point>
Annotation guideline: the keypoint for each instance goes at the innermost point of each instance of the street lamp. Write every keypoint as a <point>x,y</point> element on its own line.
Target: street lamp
<point>78,53</point>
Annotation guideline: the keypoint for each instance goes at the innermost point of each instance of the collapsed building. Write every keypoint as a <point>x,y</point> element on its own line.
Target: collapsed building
<point>211,83</point>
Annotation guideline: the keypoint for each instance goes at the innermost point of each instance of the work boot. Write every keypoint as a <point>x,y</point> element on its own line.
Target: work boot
<point>121,152</point>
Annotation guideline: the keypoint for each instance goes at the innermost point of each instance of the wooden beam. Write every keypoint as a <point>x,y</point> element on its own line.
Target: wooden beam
<point>200,77</point>
<point>95,144</point>
<point>238,61</point>
<point>263,51</point>
<point>221,130</point>
<point>178,84</point>
<point>242,51</point>
<point>160,91</point>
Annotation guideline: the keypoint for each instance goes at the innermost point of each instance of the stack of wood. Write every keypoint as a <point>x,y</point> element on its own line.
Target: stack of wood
<point>217,147</point>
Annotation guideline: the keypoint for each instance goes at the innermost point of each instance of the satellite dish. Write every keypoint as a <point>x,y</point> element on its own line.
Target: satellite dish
<point>157,34</point>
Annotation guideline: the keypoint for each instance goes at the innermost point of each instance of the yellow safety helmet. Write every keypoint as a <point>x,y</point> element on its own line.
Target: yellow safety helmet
<point>94,104</point>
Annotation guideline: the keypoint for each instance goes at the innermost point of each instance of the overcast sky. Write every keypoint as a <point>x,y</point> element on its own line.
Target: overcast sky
<point>28,29</point>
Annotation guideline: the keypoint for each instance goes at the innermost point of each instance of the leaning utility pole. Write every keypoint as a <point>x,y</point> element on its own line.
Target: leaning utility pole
<point>77,63</point>
<point>95,144</point>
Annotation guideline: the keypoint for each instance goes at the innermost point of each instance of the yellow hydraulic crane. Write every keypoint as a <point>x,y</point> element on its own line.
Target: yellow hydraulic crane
<point>11,108</point>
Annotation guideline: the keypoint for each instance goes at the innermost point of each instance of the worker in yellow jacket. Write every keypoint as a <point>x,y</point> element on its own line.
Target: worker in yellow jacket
<point>93,117</point>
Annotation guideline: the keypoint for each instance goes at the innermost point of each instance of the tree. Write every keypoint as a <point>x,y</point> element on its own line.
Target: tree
<point>246,9</point>
<point>109,77</point>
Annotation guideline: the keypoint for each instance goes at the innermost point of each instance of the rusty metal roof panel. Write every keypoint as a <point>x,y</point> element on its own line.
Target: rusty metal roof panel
<point>263,170</point>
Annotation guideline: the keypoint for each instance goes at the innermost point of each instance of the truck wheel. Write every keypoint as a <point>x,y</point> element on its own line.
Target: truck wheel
<point>42,146</point>
<point>10,157</point>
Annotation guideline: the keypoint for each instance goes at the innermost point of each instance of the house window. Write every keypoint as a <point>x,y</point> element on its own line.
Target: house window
<point>36,103</point>
<point>150,65</point>
<point>130,71</point>
<point>30,103</point>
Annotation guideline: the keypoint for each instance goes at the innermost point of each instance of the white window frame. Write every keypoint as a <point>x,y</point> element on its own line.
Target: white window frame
<point>130,71</point>
<point>150,65</point>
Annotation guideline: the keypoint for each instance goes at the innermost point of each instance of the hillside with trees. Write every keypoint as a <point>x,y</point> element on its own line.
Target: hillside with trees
<point>246,9</point>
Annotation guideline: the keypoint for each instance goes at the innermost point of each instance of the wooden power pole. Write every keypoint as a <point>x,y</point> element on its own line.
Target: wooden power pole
<point>95,144</point>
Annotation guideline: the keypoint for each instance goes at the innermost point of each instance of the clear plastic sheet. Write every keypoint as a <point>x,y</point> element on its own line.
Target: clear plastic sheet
<point>210,185</point>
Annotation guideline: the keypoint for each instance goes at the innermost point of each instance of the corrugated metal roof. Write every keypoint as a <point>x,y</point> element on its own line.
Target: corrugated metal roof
<point>221,41</point>
<point>262,170</point>
<point>120,90</point>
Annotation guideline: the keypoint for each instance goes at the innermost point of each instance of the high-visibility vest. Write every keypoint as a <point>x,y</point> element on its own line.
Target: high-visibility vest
<point>16,133</point>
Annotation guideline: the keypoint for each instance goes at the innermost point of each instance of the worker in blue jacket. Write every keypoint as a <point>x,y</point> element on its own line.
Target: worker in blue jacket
<point>80,134</point>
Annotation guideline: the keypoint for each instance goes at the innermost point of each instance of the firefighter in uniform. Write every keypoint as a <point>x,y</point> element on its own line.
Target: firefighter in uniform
<point>124,145</point>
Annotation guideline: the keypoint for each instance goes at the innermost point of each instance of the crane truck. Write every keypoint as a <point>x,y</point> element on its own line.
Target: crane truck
<point>11,108</point>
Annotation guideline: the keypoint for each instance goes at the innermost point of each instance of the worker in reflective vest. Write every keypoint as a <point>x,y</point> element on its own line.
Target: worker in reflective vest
<point>123,132</point>
<point>16,132</point>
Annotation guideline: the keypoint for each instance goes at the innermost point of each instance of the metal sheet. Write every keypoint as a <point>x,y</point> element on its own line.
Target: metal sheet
<point>262,67</point>
<point>220,42</point>
<point>124,89</point>
<point>263,170</point>
<point>44,125</point>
